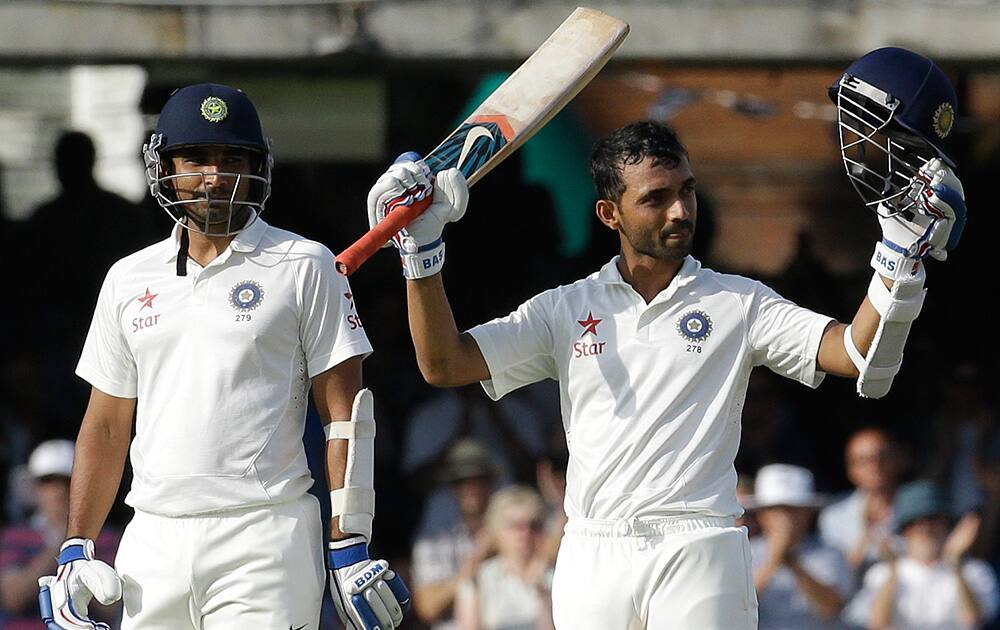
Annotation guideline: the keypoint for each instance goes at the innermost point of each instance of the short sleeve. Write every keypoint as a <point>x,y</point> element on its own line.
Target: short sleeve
<point>518,348</point>
<point>784,336</point>
<point>983,583</point>
<point>330,329</point>
<point>107,362</point>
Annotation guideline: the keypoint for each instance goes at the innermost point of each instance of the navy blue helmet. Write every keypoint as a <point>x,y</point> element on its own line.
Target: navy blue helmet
<point>210,115</point>
<point>895,110</point>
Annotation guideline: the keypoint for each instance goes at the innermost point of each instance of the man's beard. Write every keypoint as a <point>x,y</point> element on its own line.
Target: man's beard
<point>658,245</point>
<point>217,216</point>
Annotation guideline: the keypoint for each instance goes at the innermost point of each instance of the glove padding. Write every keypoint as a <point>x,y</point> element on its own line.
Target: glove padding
<point>410,180</point>
<point>367,594</point>
<point>63,599</point>
<point>932,225</point>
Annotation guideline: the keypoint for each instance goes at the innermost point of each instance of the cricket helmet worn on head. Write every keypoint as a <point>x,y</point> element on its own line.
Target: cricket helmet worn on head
<point>895,111</point>
<point>209,115</point>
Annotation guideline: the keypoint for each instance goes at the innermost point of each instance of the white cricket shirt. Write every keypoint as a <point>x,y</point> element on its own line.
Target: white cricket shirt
<point>651,394</point>
<point>220,361</point>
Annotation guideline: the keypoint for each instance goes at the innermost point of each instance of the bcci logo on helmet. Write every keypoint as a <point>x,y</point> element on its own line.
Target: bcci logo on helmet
<point>695,326</point>
<point>214,109</point>
<point>944,118</point>
<point>246,296</point>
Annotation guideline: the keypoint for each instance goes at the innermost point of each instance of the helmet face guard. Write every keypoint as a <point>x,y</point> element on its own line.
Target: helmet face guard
<point>218,215</point>
<point>209,115</point>
<point>881,159</point>
<point>895,109</point>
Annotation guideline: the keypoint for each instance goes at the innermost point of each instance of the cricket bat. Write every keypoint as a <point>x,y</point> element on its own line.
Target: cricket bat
<point>515,111</point>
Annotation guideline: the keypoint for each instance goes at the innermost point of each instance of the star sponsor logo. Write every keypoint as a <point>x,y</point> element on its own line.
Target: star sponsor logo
<point>593,347</point>
<point>695,326</point>
<point>589,324</point>
<point>246,295</point>
<point>147,299</point>
<point>353,319</point>
<point>142,322</point>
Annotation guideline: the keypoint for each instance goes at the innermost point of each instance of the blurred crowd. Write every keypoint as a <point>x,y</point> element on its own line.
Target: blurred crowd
<point>862,514</point>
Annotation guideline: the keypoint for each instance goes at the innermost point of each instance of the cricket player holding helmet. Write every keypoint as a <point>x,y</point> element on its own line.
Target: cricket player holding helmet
<point>653,354</point>
<point>214,338</point>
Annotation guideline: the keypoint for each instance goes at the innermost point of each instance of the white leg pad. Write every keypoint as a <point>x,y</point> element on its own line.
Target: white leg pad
<point>354,504</point>
<point>898,308</point>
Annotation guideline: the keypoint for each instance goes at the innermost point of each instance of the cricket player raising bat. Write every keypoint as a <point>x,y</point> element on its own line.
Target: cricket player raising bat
<point>214,337</point>
<point>653,352</point>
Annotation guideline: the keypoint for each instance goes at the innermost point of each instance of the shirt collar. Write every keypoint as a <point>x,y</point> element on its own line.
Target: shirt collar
<point>610,274</point>
<point>245,241</point>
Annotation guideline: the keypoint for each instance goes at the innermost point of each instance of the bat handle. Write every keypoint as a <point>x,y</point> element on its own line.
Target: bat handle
<point>365,247</point>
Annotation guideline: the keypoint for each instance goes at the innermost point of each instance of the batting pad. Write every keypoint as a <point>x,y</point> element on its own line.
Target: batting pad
<point>897,308</point>
<point>355,502</point>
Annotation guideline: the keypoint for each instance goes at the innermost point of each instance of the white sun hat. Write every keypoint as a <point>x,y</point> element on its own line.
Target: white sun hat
<point>53,457</point>
<point>784,485</point>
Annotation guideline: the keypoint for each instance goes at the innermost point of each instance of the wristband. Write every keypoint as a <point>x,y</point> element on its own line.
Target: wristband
<point>421,261</point>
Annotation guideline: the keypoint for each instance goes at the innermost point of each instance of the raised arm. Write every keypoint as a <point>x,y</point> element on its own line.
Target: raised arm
<point>871,348</point>
<point>446,357</point>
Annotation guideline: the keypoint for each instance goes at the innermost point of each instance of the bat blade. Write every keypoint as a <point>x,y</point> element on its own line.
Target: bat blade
<point>549,79</point>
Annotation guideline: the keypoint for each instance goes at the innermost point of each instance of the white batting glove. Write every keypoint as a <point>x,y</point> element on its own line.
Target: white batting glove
<point>932,226</point>
<point>367,594</point>
<point>63,598</point>
<point>407,181</point>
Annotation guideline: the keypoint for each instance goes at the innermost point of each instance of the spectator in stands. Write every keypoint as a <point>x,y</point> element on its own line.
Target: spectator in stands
<point>29,551</point>
<point>800,582</point>
<point>442,560</point>
<point>860,525</point>
<point>931,586</point>
<point>510,591</point>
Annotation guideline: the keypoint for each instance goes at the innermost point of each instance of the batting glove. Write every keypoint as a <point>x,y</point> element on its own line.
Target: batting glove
<point>932,225</point>
<point>367,594</point>
<point>409,180</point>
<point>63,598</point>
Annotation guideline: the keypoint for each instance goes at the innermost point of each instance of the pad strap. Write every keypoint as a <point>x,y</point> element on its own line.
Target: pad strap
<point>902,303</point>
<point>352,500</point>
<point>347,430</point>
<point>859,361</point>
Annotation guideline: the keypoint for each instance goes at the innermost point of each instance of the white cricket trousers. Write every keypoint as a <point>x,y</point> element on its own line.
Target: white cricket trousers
<point>259,568</point>
<point>685,573</point>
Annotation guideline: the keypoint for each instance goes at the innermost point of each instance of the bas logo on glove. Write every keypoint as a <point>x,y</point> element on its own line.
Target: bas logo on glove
<point>63,599</point>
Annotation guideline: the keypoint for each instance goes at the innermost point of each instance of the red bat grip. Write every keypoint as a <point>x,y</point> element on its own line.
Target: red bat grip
<point>365,247</point>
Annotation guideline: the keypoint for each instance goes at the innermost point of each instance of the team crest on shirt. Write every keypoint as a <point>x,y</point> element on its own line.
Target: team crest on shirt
<point>246,295</point>
<point>695,326</point>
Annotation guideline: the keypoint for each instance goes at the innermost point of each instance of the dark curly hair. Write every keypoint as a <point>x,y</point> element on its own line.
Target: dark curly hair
<point>632,144</point>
